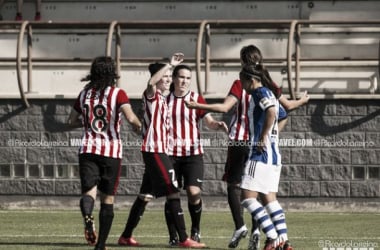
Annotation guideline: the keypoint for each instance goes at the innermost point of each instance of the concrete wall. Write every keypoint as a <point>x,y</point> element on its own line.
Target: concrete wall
<point>330,148</point>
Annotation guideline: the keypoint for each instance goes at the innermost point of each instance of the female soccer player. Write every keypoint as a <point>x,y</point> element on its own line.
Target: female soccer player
<point>159,177</point>
<point>100,105</point>
<point>185,147</point>
<point>262,170</point>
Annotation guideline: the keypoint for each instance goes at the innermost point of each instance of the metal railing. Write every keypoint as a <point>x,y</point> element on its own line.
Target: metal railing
<point>203,29</point>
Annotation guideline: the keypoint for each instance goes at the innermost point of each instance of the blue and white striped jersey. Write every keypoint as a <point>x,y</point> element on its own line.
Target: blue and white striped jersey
<point>262,99</point>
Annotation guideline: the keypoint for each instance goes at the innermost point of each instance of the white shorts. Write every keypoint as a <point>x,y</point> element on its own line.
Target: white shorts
<point>261,177</point>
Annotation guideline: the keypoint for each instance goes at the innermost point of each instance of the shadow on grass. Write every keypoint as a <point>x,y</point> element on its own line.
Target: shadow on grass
<point>70,245</point>
<point>42,244</point>
<point>156,246</point>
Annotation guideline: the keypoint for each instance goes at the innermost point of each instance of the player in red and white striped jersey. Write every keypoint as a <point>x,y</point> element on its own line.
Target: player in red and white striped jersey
<point>185,147</point>
<point>159,176</point>
<point>100,104</point>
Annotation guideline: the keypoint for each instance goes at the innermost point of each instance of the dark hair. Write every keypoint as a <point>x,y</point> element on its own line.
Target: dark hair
<point>175,73</point>
<point>179,67</point>
<point>102,74</point>
<point>260,73</point>
<point>249,72</point>
<point>155,67</point>
<point>251,55</point>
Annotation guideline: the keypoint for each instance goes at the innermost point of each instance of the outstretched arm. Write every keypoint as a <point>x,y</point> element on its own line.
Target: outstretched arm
<point>224,107</point>
<point>214,124</point>
<point>293,104</point>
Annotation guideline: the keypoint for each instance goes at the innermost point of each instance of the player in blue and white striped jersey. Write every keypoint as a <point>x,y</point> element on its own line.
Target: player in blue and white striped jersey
<point>262,170</point>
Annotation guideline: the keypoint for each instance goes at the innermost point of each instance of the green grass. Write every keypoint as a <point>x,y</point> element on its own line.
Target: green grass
<point>62,229</point>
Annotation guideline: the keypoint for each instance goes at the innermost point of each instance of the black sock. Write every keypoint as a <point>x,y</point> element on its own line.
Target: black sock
<point>174,207</point>
<point>86,205</point>
<point>105,222</point>
<point>236,208</point>
<point>135,214</point>
<point>195,214</point>
<point>170,221</point>
<point>255,225</point>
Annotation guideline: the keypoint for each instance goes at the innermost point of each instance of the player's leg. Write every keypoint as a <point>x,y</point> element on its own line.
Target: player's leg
<point>195,210</point>
<point>254,181</point>
<point>173,237</point>
<point>136,212</point>
<point>89,175</point>
<point>193,170</point>
<point>109,178</point>
<point>278,218</point>
<point>175,209</point>
<point>106,215</point>
<point>254,239</point>
<point>258,212</point>
<point>236,157</point>
<point>86,204</point>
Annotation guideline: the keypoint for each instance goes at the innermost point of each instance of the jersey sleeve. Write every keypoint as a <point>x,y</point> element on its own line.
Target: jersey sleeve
<point>122,98</point>
<point>236,90</point>
<point>266,99</point>
<point>277,91</point>
<point>201,112</point>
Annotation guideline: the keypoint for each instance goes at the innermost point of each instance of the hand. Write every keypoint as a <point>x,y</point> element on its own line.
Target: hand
<point>137,129</point>
<point>223,126</point>
<point>261,145</point>
<point>304,98</point>
<point>191,104</point>
<point>176,59</point>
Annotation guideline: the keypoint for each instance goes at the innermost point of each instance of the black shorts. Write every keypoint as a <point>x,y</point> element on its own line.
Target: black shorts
<point>100,171</point>
<point>189,169</point>
<point>237,155</point>
<point>159,177</point>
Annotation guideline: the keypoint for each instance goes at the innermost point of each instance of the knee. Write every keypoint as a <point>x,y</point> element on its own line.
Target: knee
<point>194,194</point>
<point>145,197</point>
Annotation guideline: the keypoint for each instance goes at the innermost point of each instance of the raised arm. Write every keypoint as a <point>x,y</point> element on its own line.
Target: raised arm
<point>176,59</point>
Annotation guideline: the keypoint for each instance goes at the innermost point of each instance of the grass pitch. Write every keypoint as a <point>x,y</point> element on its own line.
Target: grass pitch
<point>62,229</point>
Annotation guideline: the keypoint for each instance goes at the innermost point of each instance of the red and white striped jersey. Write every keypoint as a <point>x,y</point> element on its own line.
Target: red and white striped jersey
<point>155,124</point>
<point>239,125</point>
<point>101,118</point>
<point>184,134</point>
